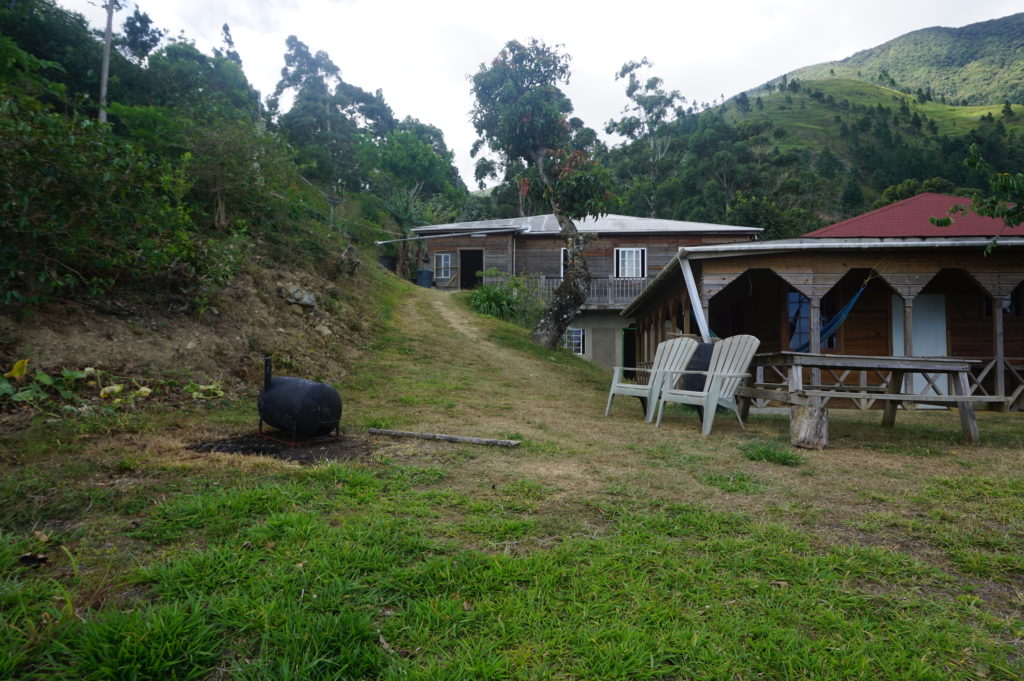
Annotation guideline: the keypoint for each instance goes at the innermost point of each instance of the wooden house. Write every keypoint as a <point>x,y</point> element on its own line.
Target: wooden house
<point>893,279</point>
<point>624,255</point>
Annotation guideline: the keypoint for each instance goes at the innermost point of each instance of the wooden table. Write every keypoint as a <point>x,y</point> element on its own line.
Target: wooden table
<point>808,412</point>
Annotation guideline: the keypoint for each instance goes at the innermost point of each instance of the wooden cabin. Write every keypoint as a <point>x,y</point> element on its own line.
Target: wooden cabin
<point>624,255</point>
<point>953,291</point>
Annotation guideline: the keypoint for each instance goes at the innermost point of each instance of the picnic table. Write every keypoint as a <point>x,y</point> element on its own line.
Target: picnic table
<point>808,402</point>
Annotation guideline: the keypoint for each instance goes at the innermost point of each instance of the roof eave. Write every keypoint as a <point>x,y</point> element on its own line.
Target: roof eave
<point>807,244</point>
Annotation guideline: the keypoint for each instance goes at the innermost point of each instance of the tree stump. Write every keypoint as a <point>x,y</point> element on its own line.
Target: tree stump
<point>808,427</point>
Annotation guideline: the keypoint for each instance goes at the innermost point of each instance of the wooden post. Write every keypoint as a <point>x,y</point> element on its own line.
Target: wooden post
<point>895,385</point>
<point>814,345</point>
<point>997,341</point>
<point>808,424</point>
<point>908,339</point>
<point>968,421</point>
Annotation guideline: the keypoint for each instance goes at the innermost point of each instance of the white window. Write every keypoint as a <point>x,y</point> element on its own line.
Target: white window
<point>630,263</point>
<point>443,265</point>
<point>575,340</point>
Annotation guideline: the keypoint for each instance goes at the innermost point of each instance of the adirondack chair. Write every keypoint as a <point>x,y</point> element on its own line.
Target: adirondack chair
<point>671,355</point>
<point>729,360</point>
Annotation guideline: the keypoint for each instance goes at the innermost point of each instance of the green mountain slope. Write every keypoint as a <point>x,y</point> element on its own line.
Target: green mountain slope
<point>980,63</point>
<point>813,113</point>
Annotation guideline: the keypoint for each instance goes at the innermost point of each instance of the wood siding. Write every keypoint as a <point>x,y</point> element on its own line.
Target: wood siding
<point>747,294</point>
<point>543,254</point>
<point>497,250</point>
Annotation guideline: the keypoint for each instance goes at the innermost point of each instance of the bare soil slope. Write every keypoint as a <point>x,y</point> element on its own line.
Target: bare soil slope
<point>150,336</point>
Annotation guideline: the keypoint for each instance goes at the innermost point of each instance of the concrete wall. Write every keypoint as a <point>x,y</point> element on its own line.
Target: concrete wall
<point>604,336</point>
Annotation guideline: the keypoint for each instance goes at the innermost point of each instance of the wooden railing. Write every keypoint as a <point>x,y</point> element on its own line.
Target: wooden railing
<point>610,292</point>
<point>987,371</point>
<point>982,382</point>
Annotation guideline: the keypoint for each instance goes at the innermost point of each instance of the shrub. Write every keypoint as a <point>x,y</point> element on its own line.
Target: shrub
<point>509,298</point>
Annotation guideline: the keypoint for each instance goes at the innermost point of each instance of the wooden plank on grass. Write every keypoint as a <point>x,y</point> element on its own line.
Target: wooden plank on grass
<point>445,438</point>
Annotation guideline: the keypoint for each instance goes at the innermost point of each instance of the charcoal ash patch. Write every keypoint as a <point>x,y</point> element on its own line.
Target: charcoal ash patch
<point>305,452</point>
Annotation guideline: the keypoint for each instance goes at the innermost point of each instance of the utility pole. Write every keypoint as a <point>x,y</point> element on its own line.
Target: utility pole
<point>111,6</point>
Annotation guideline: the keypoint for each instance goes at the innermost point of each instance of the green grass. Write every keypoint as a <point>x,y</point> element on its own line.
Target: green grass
<point>668,592</point>
<point>741,483</point>
<point>600,548</point>
<point>772,453</point>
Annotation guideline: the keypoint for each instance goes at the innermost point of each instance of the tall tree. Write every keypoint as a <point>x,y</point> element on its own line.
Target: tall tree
<point>139,36</point>
<point>521,115</point>
<point>647,122</point>
<point>329,119</point>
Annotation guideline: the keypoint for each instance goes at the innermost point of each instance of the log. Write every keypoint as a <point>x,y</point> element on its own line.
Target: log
<point>445,438</point>
<point>808,426</point>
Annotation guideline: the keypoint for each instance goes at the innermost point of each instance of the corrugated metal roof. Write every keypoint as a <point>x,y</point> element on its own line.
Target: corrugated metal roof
<point>620,224</point>
<point>911,218</point>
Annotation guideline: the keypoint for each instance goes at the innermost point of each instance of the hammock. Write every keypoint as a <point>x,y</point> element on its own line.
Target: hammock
<point>836,321</point>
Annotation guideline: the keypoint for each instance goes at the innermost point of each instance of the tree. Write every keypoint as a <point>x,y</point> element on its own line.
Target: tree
<point>827,165</point>
<point>139,37</point>
<point>520,114</point>
<point>647,122</point>
<point>228,51</point>
<point>329,119</point>
<point>1004,199</point>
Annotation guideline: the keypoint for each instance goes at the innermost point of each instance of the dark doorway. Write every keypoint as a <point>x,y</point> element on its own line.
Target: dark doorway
<point>629,350</point>
<point>470,262</point>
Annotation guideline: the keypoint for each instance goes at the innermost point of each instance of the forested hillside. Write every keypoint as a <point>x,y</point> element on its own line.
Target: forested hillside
<point>978,64</point>
<point>191,173</point>
<point>792,156</point>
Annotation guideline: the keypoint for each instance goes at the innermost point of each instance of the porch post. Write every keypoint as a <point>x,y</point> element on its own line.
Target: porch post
<point>908,326</point>
<point>908,339</point>
<point>1000,352</point>
<point>814,343</point>
<point>696,303</point>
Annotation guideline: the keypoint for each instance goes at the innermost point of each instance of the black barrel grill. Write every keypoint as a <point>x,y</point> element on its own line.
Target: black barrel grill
<point>298,407</point>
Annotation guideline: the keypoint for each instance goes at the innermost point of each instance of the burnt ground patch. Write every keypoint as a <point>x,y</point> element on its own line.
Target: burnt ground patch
<point>306,452</point>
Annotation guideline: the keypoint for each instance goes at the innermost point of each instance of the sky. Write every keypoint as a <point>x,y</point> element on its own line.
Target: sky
<point>421,54</point>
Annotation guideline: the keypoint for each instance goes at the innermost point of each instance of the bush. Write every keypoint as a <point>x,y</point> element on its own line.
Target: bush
<point>510,298</point>
<point>80,209</point>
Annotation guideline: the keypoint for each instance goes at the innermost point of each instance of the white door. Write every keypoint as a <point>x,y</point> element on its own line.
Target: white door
<point>929,333</point>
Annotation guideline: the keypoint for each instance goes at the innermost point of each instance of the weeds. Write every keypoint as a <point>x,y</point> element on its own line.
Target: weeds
<point>772,453</point>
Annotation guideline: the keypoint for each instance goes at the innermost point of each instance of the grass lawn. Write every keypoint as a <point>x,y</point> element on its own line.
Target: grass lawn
<point>600,548</point>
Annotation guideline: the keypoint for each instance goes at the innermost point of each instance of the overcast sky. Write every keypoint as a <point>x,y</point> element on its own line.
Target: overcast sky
<point>421,53</point>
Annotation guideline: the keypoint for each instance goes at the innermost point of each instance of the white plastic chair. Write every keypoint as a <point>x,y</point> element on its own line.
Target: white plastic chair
<point>729,360</point>
<point>671,355</point>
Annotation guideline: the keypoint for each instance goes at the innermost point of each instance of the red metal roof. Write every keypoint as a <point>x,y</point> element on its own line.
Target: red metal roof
<point>910,218</point>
